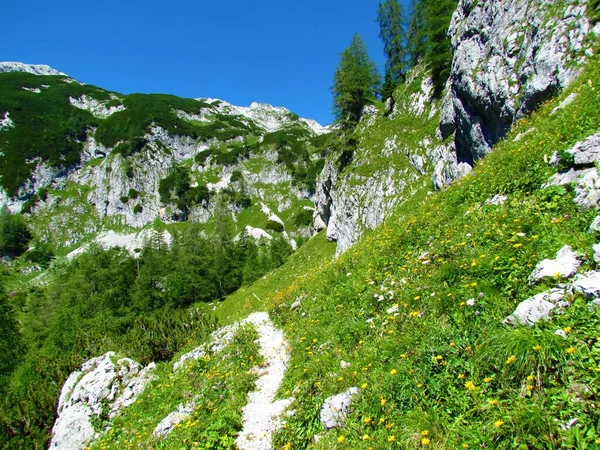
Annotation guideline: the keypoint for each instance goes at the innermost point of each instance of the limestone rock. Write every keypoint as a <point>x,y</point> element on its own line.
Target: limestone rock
<point>509,57</point>
<point>565,265</point>
<point>336,408</point>
<point>166,425</point>
<point>35,69</point>
<point>595,225</point>
<point>497,199</point>
<point>535,308</point>
<point>596,248</point>
<point>588,284</point>
<point>586,152</point>
<point>101,386</point>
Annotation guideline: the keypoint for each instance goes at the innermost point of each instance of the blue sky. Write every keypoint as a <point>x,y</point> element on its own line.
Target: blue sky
<point>278,52</point>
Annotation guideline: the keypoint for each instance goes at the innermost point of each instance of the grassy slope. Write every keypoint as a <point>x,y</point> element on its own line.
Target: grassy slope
<point>441,373</point>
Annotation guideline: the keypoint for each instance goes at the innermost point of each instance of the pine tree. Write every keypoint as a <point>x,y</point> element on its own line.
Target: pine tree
<point>437,15</point>
<point>10,340</point>
<point>416,41</point>
<point>392,32</point>
<point>428,39</point>
<point>355,82</point>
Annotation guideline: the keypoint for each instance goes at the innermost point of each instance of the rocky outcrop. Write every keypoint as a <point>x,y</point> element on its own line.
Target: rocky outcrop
<point>35,69</point>
<point>99,389</point>
<point>509,57</point>
<point>564,265</point>
<point>336,408</point>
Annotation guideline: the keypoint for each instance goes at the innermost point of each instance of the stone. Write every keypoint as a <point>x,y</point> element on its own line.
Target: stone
<point>508,58</point>
<point>564,265</point>
<point>102,386</point>
<point>535,308</point>
<point>595,225</point>
<point>336,408</point>
<point>345,364</point>
<point>588,284</point>
<point>496,200</point>
<point>586,152</point>
<point>596,248</point>
<point>566,102</point>
<point>166,425</point>
<point>561,333</point>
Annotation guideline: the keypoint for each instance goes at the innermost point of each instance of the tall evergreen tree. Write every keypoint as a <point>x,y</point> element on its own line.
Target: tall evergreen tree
<point>355,82</point>
<point>390,16</point>
<point>10,340</point>
<point>437,15</point>
<point>416,40</point>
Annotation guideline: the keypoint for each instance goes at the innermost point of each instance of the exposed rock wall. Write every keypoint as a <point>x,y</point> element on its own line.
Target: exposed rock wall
<point>509,57</point>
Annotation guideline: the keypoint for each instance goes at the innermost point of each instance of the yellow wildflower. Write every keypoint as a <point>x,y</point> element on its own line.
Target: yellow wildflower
<point>341,439</point>
<point>364,385</point>
<point>393,372</point>
<point>567,329</point>
<point>571,350</point>
<point>493,402</point>
<point>367,420</point>
<point>392,439</point>
<point>511,359</point>
<point>425,433</point>
<point>383,401</point>
<point>498,423</point>
<point>470,386</point>
<point>487,379</point>
<point>537,347</point>
<point>366,437</point>
<point>425,441</point>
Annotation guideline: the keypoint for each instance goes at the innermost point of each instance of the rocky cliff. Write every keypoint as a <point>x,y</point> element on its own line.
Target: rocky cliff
<point>509,57</point>
<point>101,165</point>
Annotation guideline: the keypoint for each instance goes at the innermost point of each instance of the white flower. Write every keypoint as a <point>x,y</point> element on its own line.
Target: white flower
<point>471,302</point>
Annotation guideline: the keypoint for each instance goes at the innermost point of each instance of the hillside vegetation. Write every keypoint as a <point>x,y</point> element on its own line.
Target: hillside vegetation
<point>417,309</point>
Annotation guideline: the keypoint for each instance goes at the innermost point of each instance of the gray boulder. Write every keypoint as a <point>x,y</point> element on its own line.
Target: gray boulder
<point>564,265</point>
<point>102,386</point>
<point>535,308</point>
<point>336,408</point>
<point>588,284</point>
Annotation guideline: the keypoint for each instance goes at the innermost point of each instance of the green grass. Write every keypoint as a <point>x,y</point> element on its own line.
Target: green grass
<point>443,374</point>
<point>219,385</point>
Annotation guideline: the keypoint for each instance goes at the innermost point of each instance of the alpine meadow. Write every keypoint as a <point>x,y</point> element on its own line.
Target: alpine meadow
<point>424,272</point>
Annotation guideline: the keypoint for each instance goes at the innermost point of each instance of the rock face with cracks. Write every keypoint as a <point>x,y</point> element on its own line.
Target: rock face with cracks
<point>509,57</point>
<point>101,387</point>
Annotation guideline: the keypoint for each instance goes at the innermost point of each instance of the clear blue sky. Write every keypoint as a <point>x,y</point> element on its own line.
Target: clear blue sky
<point>278,52</point>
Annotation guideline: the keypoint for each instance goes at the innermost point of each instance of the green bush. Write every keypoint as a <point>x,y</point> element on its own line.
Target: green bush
<point>303,218</point>
<point>137,209</point>
<point>14,234</point>
<point>274,226</point>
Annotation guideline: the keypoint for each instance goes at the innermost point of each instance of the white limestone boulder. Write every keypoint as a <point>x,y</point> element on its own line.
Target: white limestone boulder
<point>564,265</point>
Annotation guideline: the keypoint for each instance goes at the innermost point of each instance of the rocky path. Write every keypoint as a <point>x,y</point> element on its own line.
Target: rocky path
<point>261,416</point>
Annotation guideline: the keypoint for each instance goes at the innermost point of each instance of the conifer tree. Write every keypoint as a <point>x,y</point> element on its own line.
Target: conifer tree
<point>355,82</point>
<point>428,38</point>
<point>392,32</point>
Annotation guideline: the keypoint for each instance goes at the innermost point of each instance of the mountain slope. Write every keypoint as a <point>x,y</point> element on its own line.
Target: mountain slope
<point>120,162</point>
<point>412,316</point>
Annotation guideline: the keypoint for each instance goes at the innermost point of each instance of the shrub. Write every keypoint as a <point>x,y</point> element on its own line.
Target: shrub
<point>137,209</point>
<point>303,218</point>
<point>274,226</point>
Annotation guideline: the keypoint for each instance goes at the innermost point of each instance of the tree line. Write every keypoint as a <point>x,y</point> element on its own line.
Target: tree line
<point>108,300</point>
<point>408,39</point>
